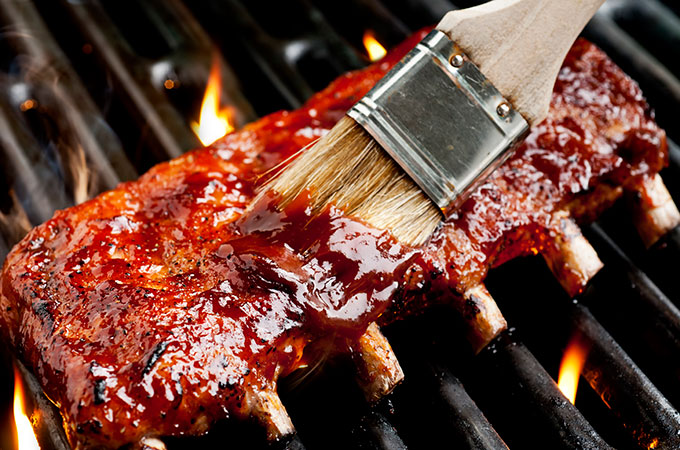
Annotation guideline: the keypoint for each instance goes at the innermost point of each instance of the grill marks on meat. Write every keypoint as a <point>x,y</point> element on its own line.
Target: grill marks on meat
<point>157,309</point>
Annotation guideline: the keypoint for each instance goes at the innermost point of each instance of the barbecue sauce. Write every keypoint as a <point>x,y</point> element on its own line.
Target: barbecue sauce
<point>160,307</point>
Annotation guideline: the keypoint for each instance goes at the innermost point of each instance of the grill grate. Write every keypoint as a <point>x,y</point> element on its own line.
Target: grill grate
<point>112,60</point>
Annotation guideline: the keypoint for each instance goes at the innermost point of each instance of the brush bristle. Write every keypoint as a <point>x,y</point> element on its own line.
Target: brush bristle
<point>349,169</point>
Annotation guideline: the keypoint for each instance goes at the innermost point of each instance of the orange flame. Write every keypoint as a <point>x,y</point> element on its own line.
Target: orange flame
<point>571,367</point>
<point>213,122</point>
<point>375,50</point>
<point>26,436</point>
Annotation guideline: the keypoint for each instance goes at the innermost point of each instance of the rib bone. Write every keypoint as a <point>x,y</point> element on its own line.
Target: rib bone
<point>151,443</point>
<point>379,371</point>
<point>654,212</point>
<point>483,317</point>
<point>269,411</point>
<point>570,256</point>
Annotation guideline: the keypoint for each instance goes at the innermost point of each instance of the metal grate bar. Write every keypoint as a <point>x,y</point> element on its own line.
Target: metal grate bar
<point>246,33</point>
<point>663,274</point>
<point>433,406</point>
<point>48,423</point>
<point>651,24</point>
<point>4,249</point>
<point>419,13</point>
<point>70,101</point>
<point>36,184</point>
<point>352,18</point>
<point>375,432</point>
<point>141,77</point>
<point>513,372</point>
<point>674,154</point>
<point>647,294</point>
<point>633,309</point>
<point>660,86</point>
<point>462,414</point>
<point>281,68</point>
<point>625,389</point>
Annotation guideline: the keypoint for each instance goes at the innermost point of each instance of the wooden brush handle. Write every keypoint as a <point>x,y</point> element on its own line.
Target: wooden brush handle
<point>520,45</point>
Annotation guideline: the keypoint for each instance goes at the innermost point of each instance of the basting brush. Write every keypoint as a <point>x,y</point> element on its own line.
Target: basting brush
<point>449,113</point>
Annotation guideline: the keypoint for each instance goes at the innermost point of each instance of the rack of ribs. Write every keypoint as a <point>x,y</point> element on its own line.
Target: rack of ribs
<point>159,308</point>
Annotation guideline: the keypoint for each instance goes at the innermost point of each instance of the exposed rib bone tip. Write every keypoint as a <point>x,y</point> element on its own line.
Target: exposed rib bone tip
<point>151,443</point>
<point>488,320</point>
<point>654,212</point>
<point>379,371</point>
<point>269,411</point>
<point>570,256</point>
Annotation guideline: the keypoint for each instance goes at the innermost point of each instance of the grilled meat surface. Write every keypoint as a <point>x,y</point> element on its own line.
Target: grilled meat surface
<point>158,308</point>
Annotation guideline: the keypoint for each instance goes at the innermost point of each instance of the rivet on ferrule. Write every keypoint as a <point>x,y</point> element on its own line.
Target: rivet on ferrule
<point>503,110</point>
<point>441,120</point>
<point>456,60</point>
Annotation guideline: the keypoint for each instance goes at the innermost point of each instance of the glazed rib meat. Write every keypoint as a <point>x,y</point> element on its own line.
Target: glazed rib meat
<point>158,308</point>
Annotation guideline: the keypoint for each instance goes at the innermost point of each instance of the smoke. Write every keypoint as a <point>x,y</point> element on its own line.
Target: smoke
<point>36,85</point>
<point>14,225</point>
<point>81,175</point>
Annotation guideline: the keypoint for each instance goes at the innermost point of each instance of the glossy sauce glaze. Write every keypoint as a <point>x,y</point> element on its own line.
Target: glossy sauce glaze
<point>158,308</point>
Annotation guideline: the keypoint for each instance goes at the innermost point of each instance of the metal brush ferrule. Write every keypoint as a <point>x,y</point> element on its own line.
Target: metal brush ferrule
<point>441,120</point>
